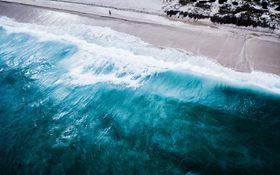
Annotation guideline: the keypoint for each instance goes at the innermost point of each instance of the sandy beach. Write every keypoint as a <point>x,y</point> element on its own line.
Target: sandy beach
<point>239,49</point>
<point>85,91</point>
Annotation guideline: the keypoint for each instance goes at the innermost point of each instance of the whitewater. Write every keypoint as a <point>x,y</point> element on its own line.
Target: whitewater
<point>80,99</point>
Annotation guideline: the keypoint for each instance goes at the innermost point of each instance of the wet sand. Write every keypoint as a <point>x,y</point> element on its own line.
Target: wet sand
<point>239,49</point>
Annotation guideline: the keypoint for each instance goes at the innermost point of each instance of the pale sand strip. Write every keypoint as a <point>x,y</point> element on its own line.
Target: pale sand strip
<point>242,50</point>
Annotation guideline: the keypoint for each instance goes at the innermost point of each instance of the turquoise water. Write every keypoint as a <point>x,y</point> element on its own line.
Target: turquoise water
<point>64,111</point>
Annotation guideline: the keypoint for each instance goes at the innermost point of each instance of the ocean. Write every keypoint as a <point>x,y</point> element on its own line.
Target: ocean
<point>78,99</point>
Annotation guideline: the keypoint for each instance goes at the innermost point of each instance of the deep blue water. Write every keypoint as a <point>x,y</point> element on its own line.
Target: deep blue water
<point>175,122</point>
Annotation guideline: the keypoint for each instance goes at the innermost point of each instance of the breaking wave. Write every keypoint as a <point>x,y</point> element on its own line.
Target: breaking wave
<point>78,99</point>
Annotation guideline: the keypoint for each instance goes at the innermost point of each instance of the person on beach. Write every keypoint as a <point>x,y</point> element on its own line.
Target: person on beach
<point>110,12</point>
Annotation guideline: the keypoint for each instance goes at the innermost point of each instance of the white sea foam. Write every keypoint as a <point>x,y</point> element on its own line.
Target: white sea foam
<point>105,55</point>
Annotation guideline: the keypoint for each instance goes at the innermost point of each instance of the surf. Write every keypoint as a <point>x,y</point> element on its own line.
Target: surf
<point>87,99</point>
<point>129,55</point>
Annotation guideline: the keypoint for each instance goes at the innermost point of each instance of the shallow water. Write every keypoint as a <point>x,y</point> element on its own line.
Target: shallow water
<point>88,100</point>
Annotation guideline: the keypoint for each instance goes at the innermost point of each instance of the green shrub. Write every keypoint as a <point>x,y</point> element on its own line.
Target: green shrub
<point>184,2</point>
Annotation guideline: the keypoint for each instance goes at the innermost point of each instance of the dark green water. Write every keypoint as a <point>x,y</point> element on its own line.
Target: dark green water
<point>174,123</point>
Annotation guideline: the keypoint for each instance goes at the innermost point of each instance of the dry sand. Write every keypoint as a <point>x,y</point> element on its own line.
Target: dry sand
<point>239,49</point>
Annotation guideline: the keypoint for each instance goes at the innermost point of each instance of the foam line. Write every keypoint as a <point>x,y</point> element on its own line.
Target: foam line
<point>105,55</point>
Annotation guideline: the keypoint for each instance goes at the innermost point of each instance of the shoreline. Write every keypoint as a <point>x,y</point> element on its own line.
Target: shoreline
<point>238,49</point>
